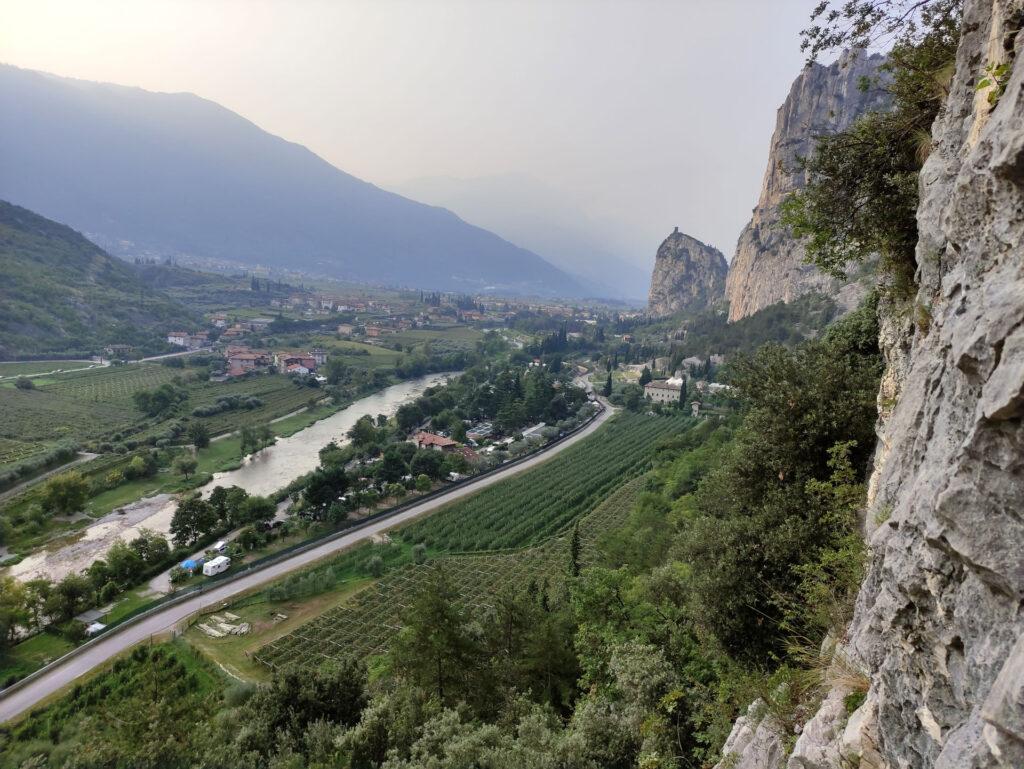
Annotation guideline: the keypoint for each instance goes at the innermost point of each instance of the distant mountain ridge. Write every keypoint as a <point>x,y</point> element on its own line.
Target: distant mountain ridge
<point>533,214</point>
<point>59,291</point>
<point>176,175</point>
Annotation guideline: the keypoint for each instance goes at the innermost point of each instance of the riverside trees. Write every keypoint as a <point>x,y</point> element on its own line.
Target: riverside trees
<point>226,509</point>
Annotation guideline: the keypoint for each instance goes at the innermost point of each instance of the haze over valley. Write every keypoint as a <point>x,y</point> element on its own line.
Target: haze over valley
<point>594,384</point>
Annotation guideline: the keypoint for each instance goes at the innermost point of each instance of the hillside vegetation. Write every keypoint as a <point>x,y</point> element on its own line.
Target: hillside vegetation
<point>638,651</point>
<point>62,292</point>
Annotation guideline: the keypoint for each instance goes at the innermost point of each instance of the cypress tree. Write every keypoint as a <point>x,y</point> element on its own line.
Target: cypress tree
<point>575,550</point>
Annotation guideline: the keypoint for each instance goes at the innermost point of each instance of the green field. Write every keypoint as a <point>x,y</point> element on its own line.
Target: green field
<point>464,337</point>
<point>366,625</point>
<point>48,417</point>
<point>13,452</point>
<point>280,396</point>
<point>539,503</point>
<point>362,356</point>
<point>79,405</point>
<point>32,653</point>
<point>114,384</point>
<point>525,523</point>
<point>97,405</point>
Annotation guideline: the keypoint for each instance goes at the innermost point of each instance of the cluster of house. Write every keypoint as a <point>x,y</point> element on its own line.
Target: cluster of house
<point>669,390</point>
<point>327,303</point>
<point>188,339</point>
<point>393,324</point>
<point>239,328</point>
<point>475,435</point>
<point>241,360</point>
<point>229,329</point>
<point>427,440</point>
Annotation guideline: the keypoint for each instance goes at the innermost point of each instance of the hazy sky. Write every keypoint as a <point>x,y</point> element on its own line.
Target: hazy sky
<point>646,114</point>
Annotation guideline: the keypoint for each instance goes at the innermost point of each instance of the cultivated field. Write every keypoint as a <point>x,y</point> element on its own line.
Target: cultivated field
<point>363,356</point>
<point>13,452</point>
<point>280,395</point>
<point>44,416</point>
<point>114,384</point>
<point>78,406</point>
<point>537,504</point>
<point>366,625</point>
<point>456,337</point>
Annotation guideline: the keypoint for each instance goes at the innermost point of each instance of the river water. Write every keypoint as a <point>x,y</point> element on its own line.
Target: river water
<point>264,473</point>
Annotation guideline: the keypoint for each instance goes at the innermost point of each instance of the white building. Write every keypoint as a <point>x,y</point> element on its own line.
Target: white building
<point>661,391</point>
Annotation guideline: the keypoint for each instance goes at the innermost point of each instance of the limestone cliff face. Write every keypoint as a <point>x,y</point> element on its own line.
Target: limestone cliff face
<point>939,626</point>
<point>688,275</point>
<point>769,264</point>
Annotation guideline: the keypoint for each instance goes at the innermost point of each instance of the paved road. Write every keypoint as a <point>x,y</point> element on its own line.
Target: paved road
<point>20,700</point>
<point>51,373</point>
<point>174,354</point>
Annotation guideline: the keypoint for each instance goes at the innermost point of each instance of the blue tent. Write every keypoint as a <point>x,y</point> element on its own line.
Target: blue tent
<point>191,564</point>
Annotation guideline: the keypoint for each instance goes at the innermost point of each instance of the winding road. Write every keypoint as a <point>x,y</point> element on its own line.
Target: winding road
<point>59,674</point>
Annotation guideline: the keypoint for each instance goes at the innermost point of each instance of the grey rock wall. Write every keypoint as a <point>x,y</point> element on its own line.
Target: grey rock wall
<point>688,275</point>
<point>939,622</point>
<point>769,263</point>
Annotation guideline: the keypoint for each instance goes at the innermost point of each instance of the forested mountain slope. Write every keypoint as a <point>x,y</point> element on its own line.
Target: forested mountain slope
<point>59,291</point>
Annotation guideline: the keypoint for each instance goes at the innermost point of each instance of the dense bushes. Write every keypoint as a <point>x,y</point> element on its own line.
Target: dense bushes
<point>228,403</point>
<point>37,464</point>
<point>110,716</point>
<point>160,400</point>
<point>762,514</point>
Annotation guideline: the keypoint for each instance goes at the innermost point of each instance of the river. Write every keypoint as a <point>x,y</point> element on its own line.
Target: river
<point>263,473</point>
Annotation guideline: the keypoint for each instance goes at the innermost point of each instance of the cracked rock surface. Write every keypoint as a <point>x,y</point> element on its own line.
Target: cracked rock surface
<point>939,621</point>
<point>769,264</point>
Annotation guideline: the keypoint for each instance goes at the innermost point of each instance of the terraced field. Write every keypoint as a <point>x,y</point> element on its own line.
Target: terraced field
<point>368,624</point>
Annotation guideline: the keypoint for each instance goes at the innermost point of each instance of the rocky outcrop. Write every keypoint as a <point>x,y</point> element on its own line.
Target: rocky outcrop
<point>688,275</point>
<point>754,741</point>
<point>939,620</point>
<point>939,624</point>
<point>769,263</point>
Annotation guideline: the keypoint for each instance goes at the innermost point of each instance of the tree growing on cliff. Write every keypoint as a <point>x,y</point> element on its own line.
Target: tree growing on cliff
<point>861,195</point>
<point>837,24</point>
